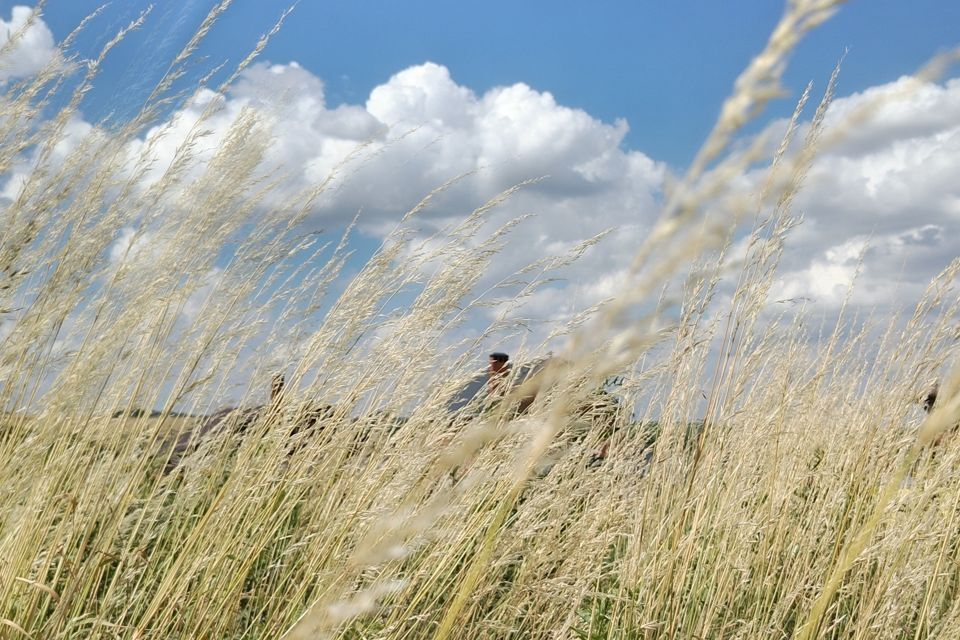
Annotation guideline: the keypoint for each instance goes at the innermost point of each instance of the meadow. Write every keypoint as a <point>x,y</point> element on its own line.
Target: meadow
<point>760,477</point>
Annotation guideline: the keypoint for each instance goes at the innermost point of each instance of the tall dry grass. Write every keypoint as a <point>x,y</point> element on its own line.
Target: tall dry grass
<point>801,499</point>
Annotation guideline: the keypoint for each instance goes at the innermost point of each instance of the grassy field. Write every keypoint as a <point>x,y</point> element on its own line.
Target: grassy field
<point>744,477</point>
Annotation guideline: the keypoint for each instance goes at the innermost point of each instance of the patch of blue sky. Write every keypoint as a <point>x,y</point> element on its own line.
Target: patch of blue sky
<point>663,66</point>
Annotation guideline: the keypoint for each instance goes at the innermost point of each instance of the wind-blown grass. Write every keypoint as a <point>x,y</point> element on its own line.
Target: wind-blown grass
<point>800,498</point>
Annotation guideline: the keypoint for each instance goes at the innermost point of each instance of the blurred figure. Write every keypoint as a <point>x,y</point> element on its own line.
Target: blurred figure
<point>929,397</point>
<point>498,369</point>
<point>928,400</point>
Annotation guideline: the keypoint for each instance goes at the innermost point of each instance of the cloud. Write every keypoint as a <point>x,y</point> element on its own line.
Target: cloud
<point>75,130</point>
<point>881,206</point>
<point>420,129</point>
<point>33,49</point>
<point>884,205</point>
<point>889,192</point>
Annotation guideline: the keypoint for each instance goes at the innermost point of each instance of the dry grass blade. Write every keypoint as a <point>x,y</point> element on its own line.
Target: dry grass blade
<point>213,424</point>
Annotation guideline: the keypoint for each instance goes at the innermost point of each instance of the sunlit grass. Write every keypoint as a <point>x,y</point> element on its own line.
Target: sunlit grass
<point>784,488</point>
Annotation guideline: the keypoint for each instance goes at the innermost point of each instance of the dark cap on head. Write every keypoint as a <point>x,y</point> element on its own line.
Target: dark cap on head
<point>499,356</point>
<point>929,397</point>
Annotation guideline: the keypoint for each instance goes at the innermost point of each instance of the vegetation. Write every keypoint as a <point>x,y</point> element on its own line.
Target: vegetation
<point>783,490</point>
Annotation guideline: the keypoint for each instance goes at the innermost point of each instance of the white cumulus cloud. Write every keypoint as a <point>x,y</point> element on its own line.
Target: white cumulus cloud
<point>33,45</point>
<point>889,192</point>
<point>883,205</point>
<point>419,130</point>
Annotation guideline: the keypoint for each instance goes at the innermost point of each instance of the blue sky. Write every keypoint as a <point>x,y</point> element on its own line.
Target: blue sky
<point>663,66</point>
<point>607,99</point>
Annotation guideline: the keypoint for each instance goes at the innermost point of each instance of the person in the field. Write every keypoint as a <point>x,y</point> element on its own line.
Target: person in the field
<point>498,370</point>
<point>928,400</point>
<point>929,397</point>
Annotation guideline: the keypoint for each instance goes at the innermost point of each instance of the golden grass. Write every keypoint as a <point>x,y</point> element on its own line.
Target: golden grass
<point>804,498</point>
